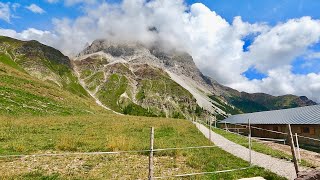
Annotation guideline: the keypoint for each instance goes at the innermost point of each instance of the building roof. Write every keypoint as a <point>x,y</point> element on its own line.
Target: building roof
<point>301,115</point>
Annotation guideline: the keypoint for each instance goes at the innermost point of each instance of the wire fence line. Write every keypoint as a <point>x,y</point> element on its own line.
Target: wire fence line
<point>151,151</point>
<point>289,135</point>
<point>273,131</point>
<point>147,151</point>
<point>112,152</point>
<point>278,132</point>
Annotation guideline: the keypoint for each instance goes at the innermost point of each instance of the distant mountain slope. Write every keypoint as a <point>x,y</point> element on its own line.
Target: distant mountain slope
<point>255,102</point>
<point>36,80</point>
<point>40,61</point>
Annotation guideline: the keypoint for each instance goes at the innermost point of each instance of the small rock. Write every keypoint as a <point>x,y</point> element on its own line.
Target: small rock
<point>309,175</point>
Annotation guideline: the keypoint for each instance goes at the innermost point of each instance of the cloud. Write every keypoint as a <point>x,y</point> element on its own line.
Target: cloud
<point>74,2</point>
<point>35,9</point>
<point>215,44</point>
<point>5,13</point>
<point>52,1</point>
<point>283,43</point>
<point>313,55</point>
<point>45,37</point>
<point>282,81</point>
<point>15,6</point>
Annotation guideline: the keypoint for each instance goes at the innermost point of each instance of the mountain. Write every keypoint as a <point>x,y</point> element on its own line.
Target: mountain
<point>127,78</point>
<point>146,73</point>
<point>133,79</point>
<point>255,102</point>
<point>38,80</point>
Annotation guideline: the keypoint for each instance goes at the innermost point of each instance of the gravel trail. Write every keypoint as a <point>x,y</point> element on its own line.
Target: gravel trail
<point>281,167</point>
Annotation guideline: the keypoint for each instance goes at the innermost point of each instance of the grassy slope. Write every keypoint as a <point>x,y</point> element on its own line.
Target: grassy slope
<point>21,94</point>
<point>246,105</point>
<point>41,61</point>
<point>109,132</point>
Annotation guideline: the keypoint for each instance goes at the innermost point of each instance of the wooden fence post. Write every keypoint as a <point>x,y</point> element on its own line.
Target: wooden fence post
<point>298,148</point>
<point>250,148</point>
<point>293,150</point>
<point>215,123</point>
<point>150,177</point>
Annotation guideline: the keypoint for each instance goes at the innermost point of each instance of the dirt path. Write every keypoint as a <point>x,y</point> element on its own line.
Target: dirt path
<point>278,166</point>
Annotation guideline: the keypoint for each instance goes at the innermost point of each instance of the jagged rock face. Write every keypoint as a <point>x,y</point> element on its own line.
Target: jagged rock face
<point>136,89</point>
<point>136,57</point>
<point>180,63</point>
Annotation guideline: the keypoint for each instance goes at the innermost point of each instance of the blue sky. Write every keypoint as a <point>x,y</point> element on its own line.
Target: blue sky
<point>269,11</point>
<point>25,18</point>
<point>255,65</point>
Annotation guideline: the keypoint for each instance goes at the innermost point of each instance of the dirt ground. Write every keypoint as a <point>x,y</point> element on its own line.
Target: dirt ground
<point>124,166</point>
<point>309,156</point>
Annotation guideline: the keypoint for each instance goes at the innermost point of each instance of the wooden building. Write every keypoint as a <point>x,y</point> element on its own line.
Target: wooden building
<point>305,121</point>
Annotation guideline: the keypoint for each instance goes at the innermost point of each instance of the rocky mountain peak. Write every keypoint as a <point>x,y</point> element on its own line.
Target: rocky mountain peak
<point>178,62</point>
<point>136,61</point>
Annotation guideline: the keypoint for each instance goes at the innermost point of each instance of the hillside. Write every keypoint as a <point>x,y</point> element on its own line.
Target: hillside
<point>35,82</point>
<point>40,61</point>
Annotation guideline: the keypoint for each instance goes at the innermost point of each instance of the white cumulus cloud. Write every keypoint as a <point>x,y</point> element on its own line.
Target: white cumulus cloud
<point>5,13</point>
<point>283,43</point>
<point>35,9</point>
